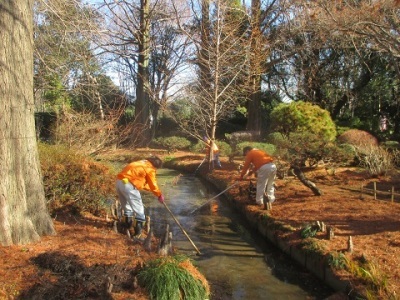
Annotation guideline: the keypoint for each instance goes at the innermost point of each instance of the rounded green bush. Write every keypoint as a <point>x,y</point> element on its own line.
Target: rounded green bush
<point>303,117</point>
<point>172,143</point>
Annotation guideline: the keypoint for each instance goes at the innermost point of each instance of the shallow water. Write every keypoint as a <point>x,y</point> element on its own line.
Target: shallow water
<point>235,260</point>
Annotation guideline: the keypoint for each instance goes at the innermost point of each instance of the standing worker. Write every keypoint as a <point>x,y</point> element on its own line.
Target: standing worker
<point>136,176</point>
<point>212,147</point>
<point>265,170</point>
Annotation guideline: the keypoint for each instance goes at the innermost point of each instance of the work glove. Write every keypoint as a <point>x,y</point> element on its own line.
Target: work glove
<point>161,198</point>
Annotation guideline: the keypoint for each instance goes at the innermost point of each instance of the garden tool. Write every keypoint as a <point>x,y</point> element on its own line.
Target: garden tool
<point>209,200</point>
<point>183,230</point>
<point>202,162</point>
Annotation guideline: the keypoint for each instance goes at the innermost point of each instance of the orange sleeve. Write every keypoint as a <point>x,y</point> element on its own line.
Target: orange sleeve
<point>246,165</point>
<point>152,182</point>
<point>258,158</point>
<point>142,175</point>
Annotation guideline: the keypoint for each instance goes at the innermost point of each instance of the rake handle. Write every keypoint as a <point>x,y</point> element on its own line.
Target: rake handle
<point>183,230</point>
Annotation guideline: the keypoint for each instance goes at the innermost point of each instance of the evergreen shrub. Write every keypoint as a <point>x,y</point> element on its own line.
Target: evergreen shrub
<point>303,117</point>
<point>305,148</point>
<point>200,147</point>
<point>172,143</point>
<point>269,148</point>
<point>224,148</point>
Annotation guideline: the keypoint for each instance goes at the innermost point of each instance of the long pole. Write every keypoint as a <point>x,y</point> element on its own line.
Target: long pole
<point>183,230</point>
<point>229,187</point>
<point>200,165</point>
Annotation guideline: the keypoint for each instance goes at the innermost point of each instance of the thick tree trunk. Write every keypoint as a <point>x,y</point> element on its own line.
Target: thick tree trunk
<point>256,59</point>
<point>142,105</point>
<point>23,213</point>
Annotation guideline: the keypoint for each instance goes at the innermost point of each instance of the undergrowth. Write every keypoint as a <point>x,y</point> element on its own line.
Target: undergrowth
<point>376,283</point>
<point>367,271</point>
<point>75,182</point>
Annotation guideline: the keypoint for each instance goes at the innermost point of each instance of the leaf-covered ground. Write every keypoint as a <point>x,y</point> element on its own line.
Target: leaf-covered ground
<point>86,254</point>
<point>373,225</point>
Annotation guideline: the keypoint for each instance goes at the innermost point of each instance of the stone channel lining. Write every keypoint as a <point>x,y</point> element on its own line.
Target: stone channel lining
<point>315,265</point>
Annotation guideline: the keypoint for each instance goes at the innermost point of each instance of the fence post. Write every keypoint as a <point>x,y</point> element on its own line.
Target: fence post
<point>374,190</point>
<point>392,198</point>
<point>361,192</point>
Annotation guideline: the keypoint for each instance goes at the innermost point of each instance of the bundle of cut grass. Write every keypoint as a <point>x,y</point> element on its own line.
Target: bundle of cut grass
<point>173,277</point>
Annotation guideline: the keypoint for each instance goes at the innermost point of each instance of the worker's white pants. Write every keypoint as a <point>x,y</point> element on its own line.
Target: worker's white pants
<point>131,200</point>
<point>265,182</point>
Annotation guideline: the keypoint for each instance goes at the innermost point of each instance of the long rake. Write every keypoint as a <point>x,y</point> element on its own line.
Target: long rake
<point>209,200</point>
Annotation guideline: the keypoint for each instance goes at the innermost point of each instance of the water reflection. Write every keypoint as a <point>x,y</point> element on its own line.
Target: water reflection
<point>232,256</point>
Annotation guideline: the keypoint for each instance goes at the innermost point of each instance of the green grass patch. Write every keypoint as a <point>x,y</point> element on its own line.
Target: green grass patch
<point>171,278</point>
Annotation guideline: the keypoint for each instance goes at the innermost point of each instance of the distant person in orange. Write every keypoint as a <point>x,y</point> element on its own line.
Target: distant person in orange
<point>215,152</point>
<point>265,169</point>
<point>136,176</point>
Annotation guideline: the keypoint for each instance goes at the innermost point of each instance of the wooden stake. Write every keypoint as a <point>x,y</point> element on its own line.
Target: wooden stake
<point>361,192</point>
<point>331,233</point>
<point>392,196</point>
<point>183,230</point>
<point>350,245</point>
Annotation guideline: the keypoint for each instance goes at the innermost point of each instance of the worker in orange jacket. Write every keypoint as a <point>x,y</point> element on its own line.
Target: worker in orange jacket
<point>212,148</point>
<point>265,169</point>
<point>136,176</point>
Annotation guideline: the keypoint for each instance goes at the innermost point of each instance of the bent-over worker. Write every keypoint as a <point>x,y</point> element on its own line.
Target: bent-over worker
<point>136,176</point>
<point>265,169</point>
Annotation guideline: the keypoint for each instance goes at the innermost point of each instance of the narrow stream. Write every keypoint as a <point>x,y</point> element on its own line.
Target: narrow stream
<point>237,263</point>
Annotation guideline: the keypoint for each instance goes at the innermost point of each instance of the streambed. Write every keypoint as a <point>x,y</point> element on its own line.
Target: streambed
<point>237,262</point>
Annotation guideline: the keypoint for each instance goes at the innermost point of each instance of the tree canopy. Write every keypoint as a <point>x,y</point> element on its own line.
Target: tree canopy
<point>221,59</point>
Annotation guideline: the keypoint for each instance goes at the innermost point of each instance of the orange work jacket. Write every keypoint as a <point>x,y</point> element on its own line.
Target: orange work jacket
<point>256,157</point>
<point>214,146</point>
<point>142,174</point>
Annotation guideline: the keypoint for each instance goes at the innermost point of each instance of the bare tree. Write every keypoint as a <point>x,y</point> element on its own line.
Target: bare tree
<point>23,213</point>
<point>144,39</point>
<point>220,60</point>
<point>168,54</point>
<point>373,25</point>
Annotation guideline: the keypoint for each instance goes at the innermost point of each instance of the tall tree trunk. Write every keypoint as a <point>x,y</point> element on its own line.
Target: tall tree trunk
<point>142,106</point>
<point>254,103</point>
<point>205,76</point>
<point>23,213</point>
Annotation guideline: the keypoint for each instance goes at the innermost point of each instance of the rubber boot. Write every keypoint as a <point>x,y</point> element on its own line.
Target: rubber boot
<point>138,228</point>
<point>128,221</point>
<point>138,231</point>
<point>267,203</point>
